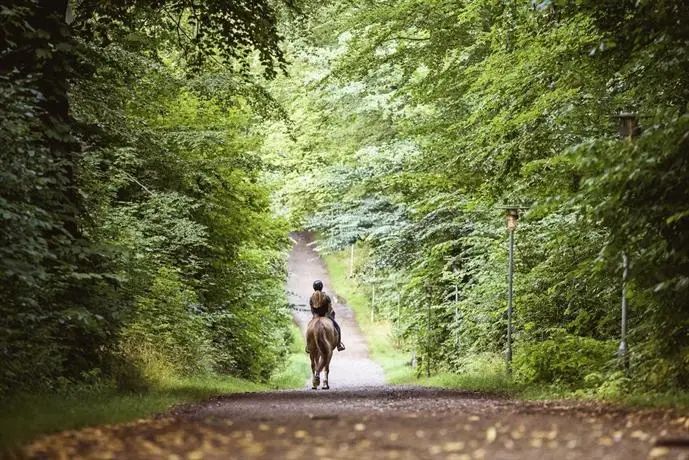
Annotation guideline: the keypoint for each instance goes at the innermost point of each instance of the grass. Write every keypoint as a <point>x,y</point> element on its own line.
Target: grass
<point>378,333</point>
<point>297,369</point>
<point>28,415</point>
<point>669,400</point>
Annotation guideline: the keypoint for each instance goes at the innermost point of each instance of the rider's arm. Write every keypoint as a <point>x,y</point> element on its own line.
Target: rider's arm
<point>329,302</point>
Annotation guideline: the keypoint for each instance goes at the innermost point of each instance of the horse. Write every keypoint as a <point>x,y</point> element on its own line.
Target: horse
<point>321,340</point>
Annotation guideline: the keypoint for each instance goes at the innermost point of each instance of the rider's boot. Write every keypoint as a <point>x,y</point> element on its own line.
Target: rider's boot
<point>340,346</point>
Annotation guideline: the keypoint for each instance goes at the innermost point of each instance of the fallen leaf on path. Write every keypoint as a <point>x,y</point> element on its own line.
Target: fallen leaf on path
<point>491,435</point>
<point>606,441</point>
<point>364,444</point>
<point>459,457</point>
<point>195,455</point>
<point>516,434</point>
<point>435,450</point>
<point>658,452</point>
<point>480,453</point>
<point>151,448</point>
<point>640,435</point>
<point>254,449</point>
<point>453,446</point>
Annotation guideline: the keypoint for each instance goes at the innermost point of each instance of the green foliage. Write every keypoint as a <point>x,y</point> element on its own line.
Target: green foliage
<point>419,120</point>
<point>293,369</point>
<point>563,360</point>
<point>165,328</point>
<point>136,238</point>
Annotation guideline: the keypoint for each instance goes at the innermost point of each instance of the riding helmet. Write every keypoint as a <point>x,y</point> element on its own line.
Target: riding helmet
<point>318,285</point>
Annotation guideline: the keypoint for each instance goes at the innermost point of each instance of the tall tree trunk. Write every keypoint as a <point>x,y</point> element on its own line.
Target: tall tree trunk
<point>54,84</point>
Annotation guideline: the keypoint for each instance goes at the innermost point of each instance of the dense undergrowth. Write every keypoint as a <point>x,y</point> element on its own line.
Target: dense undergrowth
<point>137,243</point>
<point>404,363</point>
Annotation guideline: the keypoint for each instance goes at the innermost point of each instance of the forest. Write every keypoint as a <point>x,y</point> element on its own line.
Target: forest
<point>157,154</point>
<point>422,121</point>
<point>137,234</point>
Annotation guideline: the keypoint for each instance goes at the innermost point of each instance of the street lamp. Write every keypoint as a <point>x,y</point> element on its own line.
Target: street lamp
<point>627,128</point>
<point>512,214</point>
<point>628,125</point>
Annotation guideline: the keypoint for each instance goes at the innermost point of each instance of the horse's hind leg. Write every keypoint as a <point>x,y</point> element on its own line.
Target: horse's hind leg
<point>315,379</point>
<point>327,370</point>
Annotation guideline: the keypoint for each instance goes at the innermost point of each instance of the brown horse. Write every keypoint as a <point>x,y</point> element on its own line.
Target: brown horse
<point>321,340</point>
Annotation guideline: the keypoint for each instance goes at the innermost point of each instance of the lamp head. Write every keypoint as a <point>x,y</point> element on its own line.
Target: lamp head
<point>512,215</point>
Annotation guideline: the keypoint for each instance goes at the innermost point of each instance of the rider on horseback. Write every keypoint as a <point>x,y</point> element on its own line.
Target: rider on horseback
<point>321,305</point>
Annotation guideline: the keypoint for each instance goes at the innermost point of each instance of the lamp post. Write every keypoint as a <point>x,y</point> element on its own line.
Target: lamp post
<point>622,351</point>
<point>428,332</point>
<point>628,129</point>
<point>373,295</point>
<point>512,215</point>
<point>456,311</point>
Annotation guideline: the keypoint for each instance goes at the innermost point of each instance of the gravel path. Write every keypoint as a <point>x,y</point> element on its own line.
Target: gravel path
<point>351,368</point>
<point>378,423</point>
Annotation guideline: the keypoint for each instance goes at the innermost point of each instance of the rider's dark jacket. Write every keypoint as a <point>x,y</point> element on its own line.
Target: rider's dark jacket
<point>324,309</point>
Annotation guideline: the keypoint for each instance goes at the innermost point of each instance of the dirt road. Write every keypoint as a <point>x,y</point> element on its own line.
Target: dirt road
<point>362,418</point>
<point>351,368</point>
<point>377,423</point>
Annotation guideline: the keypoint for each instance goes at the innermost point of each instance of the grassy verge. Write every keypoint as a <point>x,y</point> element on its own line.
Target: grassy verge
<point>297,369</point>
<point>394,361</point>
<point>378,332</point>
<point>29,415</point>
<point>484,374</point>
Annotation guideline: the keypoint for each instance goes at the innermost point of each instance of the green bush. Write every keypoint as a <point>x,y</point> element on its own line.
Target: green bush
<point>562,359</point>
<point>166,337</point>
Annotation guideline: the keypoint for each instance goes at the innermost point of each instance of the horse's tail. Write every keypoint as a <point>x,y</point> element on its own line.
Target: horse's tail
<point>323,345</point>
